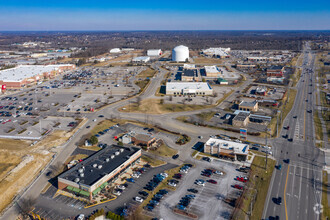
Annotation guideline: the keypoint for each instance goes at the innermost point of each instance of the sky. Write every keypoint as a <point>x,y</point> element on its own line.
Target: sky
<point>66,15</point>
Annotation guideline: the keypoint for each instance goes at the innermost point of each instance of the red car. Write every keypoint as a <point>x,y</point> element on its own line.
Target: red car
<point>206,174</point>
<point>238,186</point>
<point>241,179</point>
<point>212,181</point>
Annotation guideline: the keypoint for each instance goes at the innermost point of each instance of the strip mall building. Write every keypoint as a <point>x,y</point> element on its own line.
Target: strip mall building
<point>20,76</point>
<point>89,177</point>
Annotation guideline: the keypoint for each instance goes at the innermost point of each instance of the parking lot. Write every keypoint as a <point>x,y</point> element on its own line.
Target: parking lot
<point>73,94</point>
<point>207,203</point>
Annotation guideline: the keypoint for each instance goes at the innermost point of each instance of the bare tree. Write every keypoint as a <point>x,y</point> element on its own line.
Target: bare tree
<point>170,98</point>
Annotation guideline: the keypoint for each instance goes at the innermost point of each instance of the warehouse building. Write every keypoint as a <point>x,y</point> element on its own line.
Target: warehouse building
<point>115,50</point>
<point>217,52</point>
<point>154,52</point>
<point>141,59</point>
<point>212,71</point>
<point>188,88</point>
<point>226,149</point>
<point>23,75</point>
<point>89,177</point>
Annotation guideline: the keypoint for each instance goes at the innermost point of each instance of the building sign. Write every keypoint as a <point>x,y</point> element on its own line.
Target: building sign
<point>243,133</point>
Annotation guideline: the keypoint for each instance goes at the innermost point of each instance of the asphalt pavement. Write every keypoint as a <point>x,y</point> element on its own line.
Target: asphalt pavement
<point>299,182</point>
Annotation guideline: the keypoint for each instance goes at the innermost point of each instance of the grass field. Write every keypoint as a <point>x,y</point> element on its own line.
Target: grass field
<point>257,186</point>
<point>142,83</point>
<point>147,73</point>
<point>154,106</point>
<point>101,126</point>
<point>164,151</point>
<point>206,116</point>
<point>318,126</point>
<point>207,60</point>
<point>153,162</point>
<point>325,190</point>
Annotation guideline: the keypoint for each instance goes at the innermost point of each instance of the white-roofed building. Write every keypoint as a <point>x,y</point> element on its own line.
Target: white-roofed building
<point>212,71</point>
<point>154,52</point>
<point>217,52</point>
<point>227,149</point>
<point>141,59</point>
<point>188,88</point>
<point>26,74</point>
<point>189,66</point>
<point>115,50</point>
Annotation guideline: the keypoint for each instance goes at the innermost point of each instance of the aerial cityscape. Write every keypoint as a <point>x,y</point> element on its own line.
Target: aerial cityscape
<point>175,111</point>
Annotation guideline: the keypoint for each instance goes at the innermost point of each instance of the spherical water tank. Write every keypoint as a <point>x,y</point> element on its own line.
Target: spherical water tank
<point>180,53</point>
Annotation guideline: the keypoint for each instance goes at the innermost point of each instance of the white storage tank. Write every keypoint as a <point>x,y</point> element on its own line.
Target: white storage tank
<point>180,53</point>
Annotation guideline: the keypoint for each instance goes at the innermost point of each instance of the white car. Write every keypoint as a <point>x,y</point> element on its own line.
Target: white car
<point>121,187</point>
<point>172,184</point>
<point>81,217</point>
<point>134,175</point>
<point>117,193</point>
<point>138,199</point>
<point>94,119</point>
<point>218,172</point>
<point>164,174</point>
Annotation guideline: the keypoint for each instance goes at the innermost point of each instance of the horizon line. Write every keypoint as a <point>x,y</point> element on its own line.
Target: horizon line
<point>167,30</point>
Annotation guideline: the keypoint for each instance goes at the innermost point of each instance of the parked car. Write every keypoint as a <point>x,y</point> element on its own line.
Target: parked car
<point>176,156</point>
<point>192,190</point>
<point>131,180</point>
<point>144,193</point>
<point>238,186</point>
<point>212,181</point>
<point>138,199</point>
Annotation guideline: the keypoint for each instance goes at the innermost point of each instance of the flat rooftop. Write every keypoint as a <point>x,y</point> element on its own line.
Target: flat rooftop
<point>248,104</point>
<point>99,164</point>
<point>188,85</point>
<point>211,69</point>
<point>189,72</point>
<point>19,73</point>
<point>237,148</point>
<point>241,116</point>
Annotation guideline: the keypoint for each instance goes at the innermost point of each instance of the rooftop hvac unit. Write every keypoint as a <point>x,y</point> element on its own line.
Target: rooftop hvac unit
<point>81,170</point>
<point>76,180</point>
<point>112,156</point>
<point>117,153</point>
<point>100,166</point>
<point>82,175</point>
<point>121,150</point>
<point>107,159</point>
<point>94,165</point>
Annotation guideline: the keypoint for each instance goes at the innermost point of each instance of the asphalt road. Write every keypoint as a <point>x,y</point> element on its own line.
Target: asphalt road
<point>299,181</point>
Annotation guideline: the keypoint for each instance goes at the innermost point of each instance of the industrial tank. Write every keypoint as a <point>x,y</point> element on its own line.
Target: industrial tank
<point>180,53</point>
